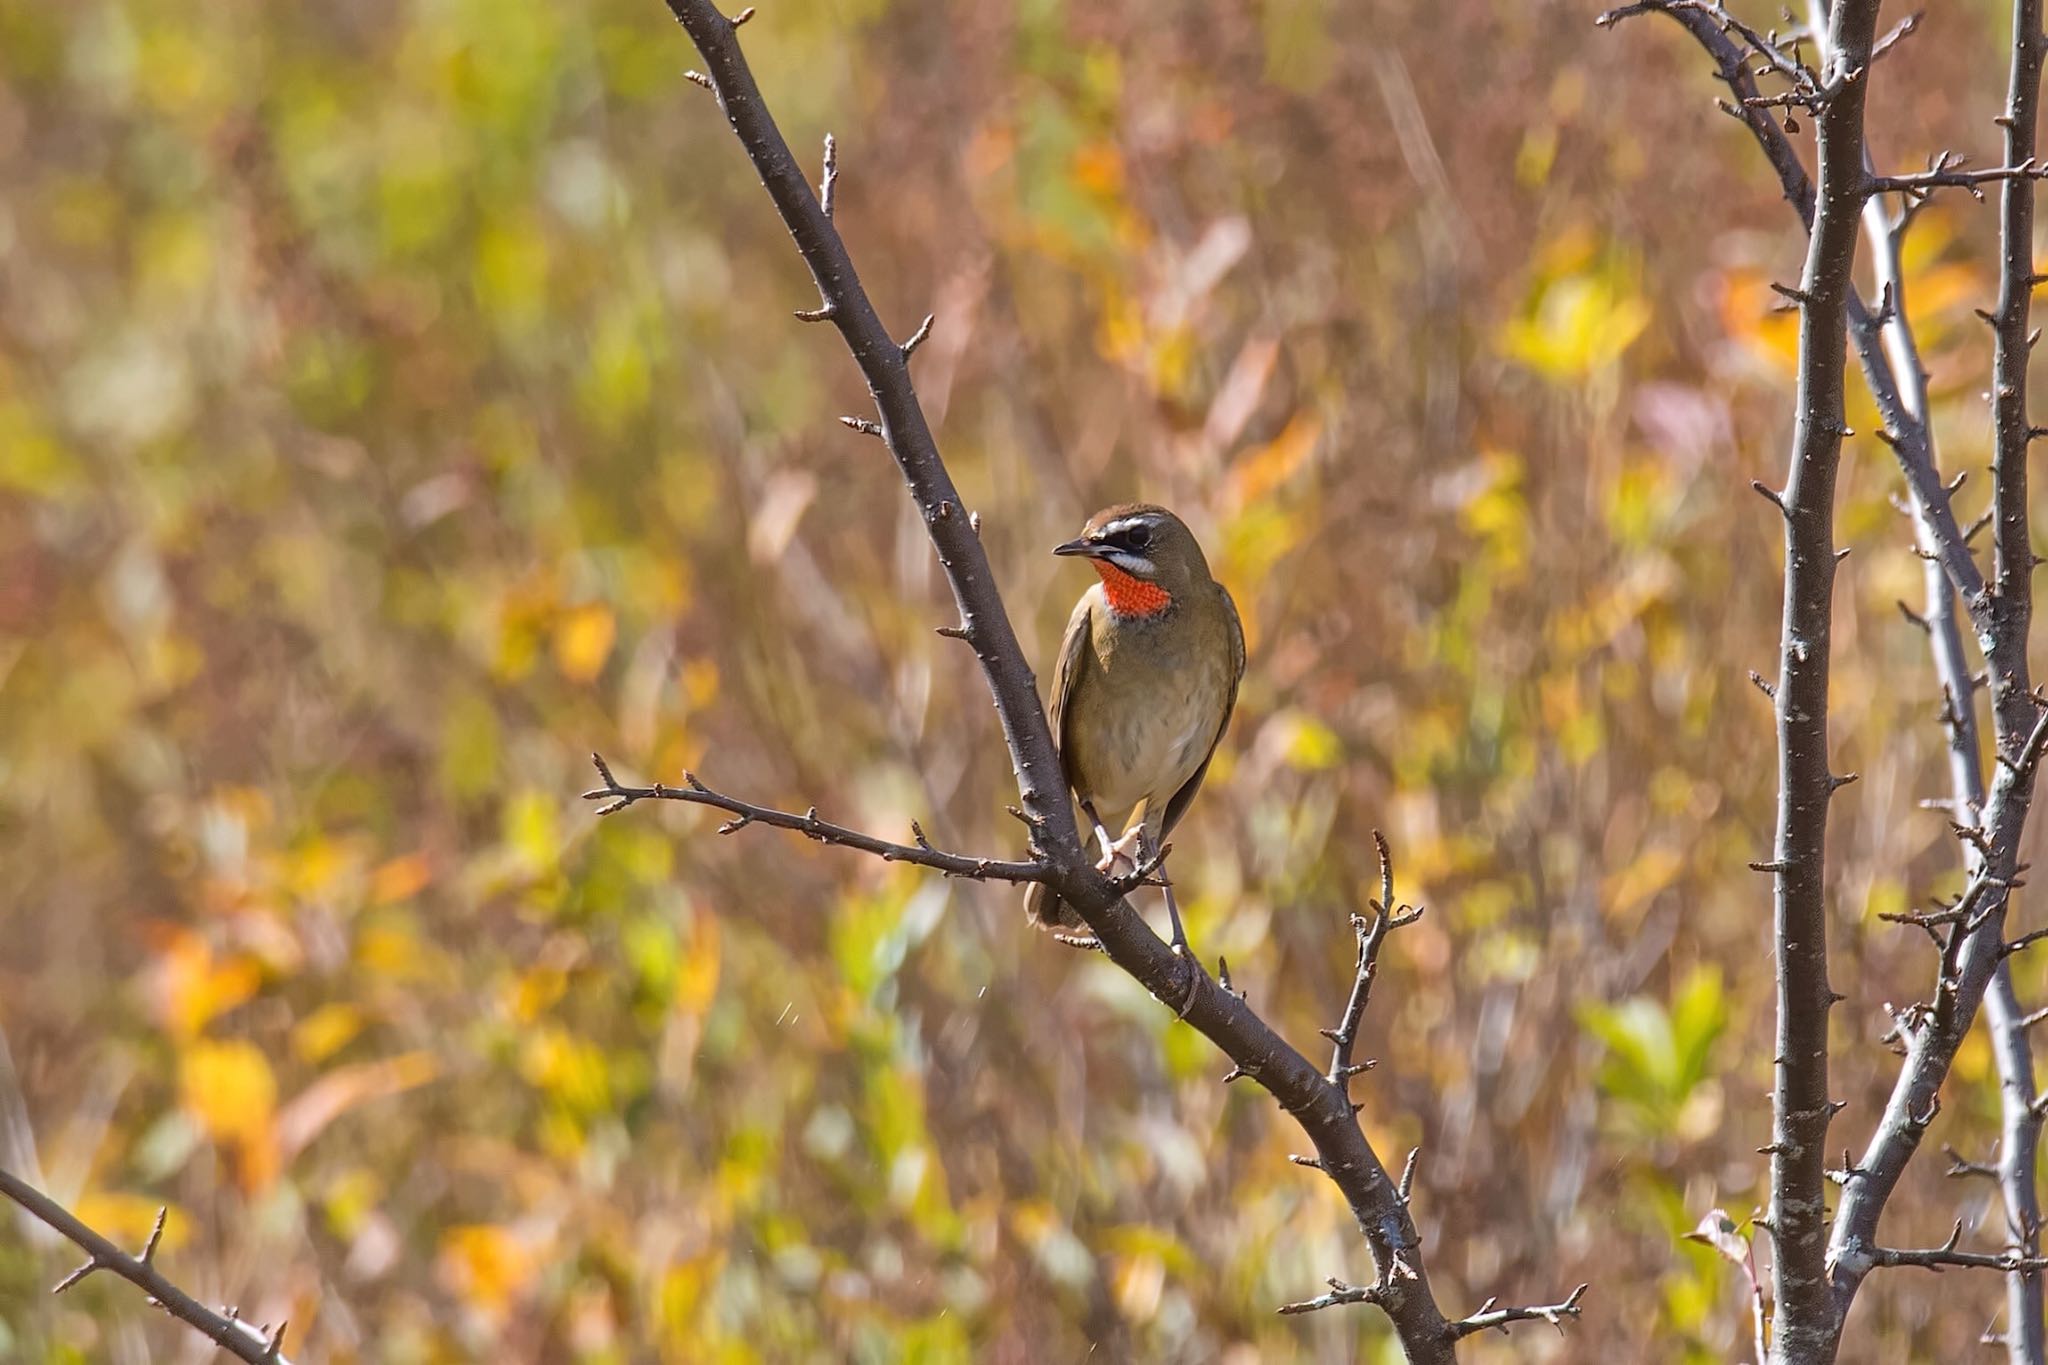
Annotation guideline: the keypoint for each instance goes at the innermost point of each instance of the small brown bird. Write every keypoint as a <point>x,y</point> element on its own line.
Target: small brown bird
<point>1146,680</point>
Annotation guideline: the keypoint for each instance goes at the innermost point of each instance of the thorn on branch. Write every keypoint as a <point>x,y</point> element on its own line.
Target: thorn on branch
<point>740,19</point>
<point>824,312</point>
<point>864,426</point>
<point>919,337</point>
<point>699,78</point>
<point>1777,499</point>
<point>1763,684</point>
<point>1902,30</point>
<point>1958,1167</point>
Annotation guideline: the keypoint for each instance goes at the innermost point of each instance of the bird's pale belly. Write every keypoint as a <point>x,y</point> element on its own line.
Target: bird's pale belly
<point>1150,752</point>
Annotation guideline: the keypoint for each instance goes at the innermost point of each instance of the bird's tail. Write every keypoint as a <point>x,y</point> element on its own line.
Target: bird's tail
<point>1044,908</point>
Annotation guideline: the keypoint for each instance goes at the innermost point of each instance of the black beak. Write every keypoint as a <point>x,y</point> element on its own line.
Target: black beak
<point>1084,546</point>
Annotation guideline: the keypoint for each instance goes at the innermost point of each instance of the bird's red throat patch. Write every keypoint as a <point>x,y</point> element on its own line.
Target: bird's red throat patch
<point>1128,594</point>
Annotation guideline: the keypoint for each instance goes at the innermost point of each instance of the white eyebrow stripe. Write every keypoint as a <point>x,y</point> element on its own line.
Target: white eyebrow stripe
<point>1123,524</point>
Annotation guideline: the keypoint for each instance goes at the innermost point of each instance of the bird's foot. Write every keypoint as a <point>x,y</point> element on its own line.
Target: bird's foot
<point>1122,858</point>
<point>1196,974</point>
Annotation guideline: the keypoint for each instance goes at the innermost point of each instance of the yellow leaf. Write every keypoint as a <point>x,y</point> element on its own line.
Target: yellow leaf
<point>531,831</point>
<point>536,990</point>
<point>1308,744</point>
<point>583,640</point>
<point>195,987</point>
<point>700,682</point>
<point>392,950</point>
<point>570,1070</point>
<point>227,1086</point>
<point>1628,890</point>
<point>486,1264</point>
<point>326,1031</point>
<point>1099,168</point>
<point>228,1089</point>
<point>1575,325</point>
<point>400,878</point>
<point>1257,473</point>
<point>126,1219</point>
<point>1750,313</point>
<point>697,966</point>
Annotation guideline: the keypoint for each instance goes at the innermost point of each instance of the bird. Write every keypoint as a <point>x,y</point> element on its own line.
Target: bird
<point>1147,677</point>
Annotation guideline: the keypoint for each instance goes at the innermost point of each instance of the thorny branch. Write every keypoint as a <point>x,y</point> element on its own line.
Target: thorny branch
<point>1321,1107</point>
<point>259,1346</point>
<point>1487,1319</point>
<point>2012,1260</point>
<point>1372,935</point>
<point>2025,1335</point>
<point>1999,607</point>
<point>2001,613</point>
<point>1801,1108</point>
<point>617,797</point>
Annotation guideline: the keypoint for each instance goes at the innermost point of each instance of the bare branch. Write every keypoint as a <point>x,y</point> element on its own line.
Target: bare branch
<point>1371,934</point>
<point>1340,1293</point>
<point>1948,1257</point>
<point>1489,1317</point>
<point>617,797</point>
<point>1947,173</point>
<point>1958,1166</point>
<point>259,1346</point>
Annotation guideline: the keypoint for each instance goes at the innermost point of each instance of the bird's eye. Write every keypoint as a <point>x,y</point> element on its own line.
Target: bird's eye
<point>1139,538</point>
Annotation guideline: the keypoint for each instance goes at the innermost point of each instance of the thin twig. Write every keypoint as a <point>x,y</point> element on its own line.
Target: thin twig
<point>617,797</point>
<point>1490,1318</point>
<point>1371,933</point>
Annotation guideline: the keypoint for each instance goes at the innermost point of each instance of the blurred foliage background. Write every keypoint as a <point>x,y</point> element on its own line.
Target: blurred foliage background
<point>399,400</point>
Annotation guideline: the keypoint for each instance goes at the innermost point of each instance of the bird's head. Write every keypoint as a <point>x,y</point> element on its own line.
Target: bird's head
<point>1146,556</point>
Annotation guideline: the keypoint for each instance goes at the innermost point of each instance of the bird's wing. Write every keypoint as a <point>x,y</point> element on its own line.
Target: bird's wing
<point>1041,903</point>
<point>1066,674</point>
<point>1178,806</point>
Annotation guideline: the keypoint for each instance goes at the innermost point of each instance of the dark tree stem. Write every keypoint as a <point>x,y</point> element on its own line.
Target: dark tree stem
<point>1321,1107</point>
<point>2012,601</point>
<point>1801,1106</point>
